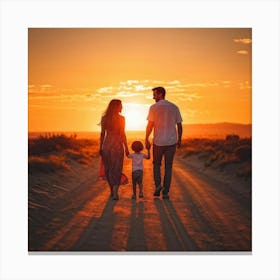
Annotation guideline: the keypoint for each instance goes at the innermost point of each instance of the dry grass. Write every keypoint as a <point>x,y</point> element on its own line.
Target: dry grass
<point>54,152</point>
<point>221,154</point>
<point>46,164</point>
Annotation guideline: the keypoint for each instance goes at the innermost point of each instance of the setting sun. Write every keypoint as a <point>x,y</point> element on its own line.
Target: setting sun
<point>135,116</point>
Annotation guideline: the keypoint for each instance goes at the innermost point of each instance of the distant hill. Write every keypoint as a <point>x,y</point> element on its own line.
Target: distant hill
<point>217,130</point>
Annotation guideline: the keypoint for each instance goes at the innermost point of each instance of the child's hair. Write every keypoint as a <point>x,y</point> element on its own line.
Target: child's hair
<point>137,146</point>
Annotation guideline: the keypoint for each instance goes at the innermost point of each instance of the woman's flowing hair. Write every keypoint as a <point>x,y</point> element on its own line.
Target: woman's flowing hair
<point>111,114</point>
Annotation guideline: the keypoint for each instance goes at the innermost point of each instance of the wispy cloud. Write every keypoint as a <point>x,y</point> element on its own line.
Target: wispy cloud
<point>126,94</point>
<point>105,90</point>
<point>186,96</point>
<point>245,41</point>
<point>130,91</point>
<point>40,89</point>
<point>243,52</point>
<point>245,85</point>
<point>199,85</point>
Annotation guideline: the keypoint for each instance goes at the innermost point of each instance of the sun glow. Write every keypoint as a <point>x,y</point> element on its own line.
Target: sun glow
<point>135,116</point>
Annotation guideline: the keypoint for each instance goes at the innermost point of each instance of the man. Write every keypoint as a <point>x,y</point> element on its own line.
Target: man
<point>163,118</point>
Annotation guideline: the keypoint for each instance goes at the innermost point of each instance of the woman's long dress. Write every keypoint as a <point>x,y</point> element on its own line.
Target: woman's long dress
<point>113,153</point>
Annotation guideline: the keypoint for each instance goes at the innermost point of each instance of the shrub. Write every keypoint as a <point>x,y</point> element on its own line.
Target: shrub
<point>243,153</point>
<point>51,143</point>
<point>232,138</point>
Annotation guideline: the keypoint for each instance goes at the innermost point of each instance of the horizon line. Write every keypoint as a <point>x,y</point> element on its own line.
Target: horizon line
<point>137,130</point>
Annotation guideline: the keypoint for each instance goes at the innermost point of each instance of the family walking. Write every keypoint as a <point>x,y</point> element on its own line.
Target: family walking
<point>165,121</point>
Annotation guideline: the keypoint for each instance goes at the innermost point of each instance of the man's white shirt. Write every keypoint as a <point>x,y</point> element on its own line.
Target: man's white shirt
<point>165,115</point>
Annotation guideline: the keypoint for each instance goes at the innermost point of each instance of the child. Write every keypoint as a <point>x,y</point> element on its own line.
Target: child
<point>137,167</point>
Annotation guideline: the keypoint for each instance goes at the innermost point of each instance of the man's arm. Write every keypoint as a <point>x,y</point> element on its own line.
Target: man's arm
<point>180,132</point>
<point>149,130</point>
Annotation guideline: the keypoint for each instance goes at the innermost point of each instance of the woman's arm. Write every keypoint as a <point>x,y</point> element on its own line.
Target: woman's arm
<point>102,135</point>
<point>124,138</point>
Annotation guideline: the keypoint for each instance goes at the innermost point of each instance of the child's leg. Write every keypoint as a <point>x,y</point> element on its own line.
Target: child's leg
<point>141,184</point>
<point>141,190</point>
<point>133,185</point>
<point>134,188</point>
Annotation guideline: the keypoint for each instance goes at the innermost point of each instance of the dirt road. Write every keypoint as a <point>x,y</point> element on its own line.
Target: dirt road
<point>203,214</point>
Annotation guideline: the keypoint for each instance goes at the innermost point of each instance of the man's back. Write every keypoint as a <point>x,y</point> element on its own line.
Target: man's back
<point>165,115</point>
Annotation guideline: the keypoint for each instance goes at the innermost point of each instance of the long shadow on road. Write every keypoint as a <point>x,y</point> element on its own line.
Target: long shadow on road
<point>175,234</point>
<point>98,234</point>
<point>136,238</point>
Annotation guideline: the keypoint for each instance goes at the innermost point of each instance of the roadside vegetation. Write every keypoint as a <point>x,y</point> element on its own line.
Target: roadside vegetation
<point>52,152</point>
<point>229,154</point>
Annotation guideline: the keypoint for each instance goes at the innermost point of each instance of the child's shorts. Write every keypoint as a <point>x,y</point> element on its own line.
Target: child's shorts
<point>137,177</point>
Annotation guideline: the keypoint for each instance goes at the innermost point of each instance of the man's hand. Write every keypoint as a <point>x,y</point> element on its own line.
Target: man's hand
<point>179,144</point>
<point>147,144</point>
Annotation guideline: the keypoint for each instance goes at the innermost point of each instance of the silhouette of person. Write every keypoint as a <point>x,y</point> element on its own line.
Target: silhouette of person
<point>112,145</point>
<point>163,118</point>
<point>137,167</point>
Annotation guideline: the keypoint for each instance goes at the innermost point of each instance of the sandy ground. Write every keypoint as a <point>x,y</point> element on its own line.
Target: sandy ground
<point>207,211</point>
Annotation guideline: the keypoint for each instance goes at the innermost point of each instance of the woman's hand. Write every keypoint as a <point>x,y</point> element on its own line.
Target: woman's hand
<point>126,152</point>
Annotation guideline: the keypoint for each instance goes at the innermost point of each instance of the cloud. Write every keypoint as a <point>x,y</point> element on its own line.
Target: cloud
<point>105,90</point>
<point>127,94</point>
<point>245,85</point>
<point>138,91</point>
<point>245,41</point>
<point>205,84</point>
<point>244,52</point>
<point>40,89</point>
<point>129,82</point>
<point>185,96</point>
<point>226,84</point>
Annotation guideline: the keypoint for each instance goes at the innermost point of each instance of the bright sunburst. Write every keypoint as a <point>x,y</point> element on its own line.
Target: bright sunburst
<point>135,116</point>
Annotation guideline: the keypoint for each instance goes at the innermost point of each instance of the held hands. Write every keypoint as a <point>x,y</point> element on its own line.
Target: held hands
<point>147,144</point>
<point>126,152</point>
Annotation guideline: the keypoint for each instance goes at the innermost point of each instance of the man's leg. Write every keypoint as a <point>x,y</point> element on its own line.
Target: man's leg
<point>157,158</point>
<point>168,162</point>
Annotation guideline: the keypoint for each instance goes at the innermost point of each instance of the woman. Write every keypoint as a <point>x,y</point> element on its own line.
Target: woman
<point>112,144</point>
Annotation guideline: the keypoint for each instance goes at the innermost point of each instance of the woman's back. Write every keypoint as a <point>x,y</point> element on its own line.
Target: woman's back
<point>114,127</point>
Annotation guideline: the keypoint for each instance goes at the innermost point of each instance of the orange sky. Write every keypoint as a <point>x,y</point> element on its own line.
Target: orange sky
<point>74,73</point>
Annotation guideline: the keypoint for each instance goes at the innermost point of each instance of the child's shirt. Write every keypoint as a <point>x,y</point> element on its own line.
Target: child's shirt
<point>137,160</point>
